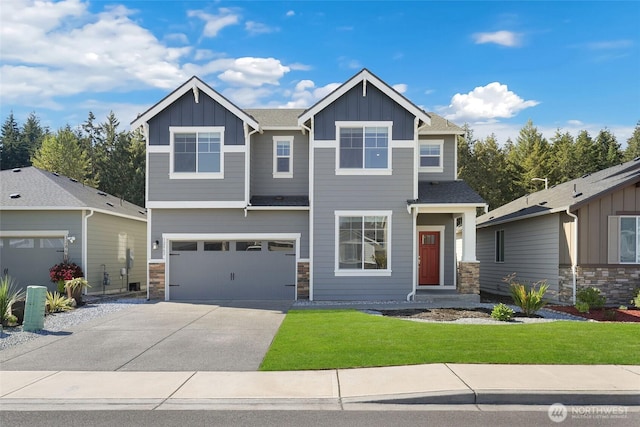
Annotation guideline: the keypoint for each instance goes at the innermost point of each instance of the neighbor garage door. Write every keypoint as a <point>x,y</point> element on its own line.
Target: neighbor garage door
<point>247,270</point>
<point>28,260</point>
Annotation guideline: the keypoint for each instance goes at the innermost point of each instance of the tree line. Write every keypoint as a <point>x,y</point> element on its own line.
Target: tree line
<point>501,174</point>
<point>97,154</point>
<point>112,160</point>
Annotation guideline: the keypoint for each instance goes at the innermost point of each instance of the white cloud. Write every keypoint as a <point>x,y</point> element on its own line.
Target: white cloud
<point>177,38</point>
<point>215,23</point>
<point>296,66</point>
<point>290,13</point>
<point>503,38</point>
<point>610,45</point>
<point>306,94</point>
<point>254,28</point>
<point>247,97</point>
<point>400,87</point>
<point>429,91</point>
<point>490,102</point>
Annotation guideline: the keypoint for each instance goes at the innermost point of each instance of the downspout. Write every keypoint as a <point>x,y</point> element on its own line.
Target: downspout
<point>85,244</point>
<point>411,295</point>
<point>247,165</point>
<point>574,261</point>
<point>311,181</point>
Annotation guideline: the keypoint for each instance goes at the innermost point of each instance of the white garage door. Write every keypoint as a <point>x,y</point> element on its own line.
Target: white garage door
<point>28,259</point>
<point>225,270</point>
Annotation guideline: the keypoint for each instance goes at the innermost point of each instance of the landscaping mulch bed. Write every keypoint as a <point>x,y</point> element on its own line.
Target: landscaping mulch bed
<point>445,314</point>
<point>603,315</point>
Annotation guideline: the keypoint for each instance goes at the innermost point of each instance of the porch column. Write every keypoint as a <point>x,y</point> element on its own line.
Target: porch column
<point>469,235</point>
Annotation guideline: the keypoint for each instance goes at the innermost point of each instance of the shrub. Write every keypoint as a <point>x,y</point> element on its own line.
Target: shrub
<point>582,307</point>
<point>9,294</point>
<point>57,303</point>
<point>529,300</point>
<point>610,314</point>
<point>502,312</point>
<point>591,297</point>
<point>636,300</point>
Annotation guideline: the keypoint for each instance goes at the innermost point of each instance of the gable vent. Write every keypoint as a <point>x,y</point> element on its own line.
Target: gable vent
<point>17,170</point>
<point>15,195</point>
<point>102,193</point>
<point>110,204</point>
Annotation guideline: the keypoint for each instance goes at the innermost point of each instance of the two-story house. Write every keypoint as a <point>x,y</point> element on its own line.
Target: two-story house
<point>355,198</point>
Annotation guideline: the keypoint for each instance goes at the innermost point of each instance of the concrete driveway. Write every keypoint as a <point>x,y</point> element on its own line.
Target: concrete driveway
<point>163,336</point>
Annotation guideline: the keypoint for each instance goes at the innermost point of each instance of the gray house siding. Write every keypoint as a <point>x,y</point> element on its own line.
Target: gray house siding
<point>200,221</point>
<point>449,241</point>
<point>531,250</point>
<point>161,188</point>
<point>186,112</point>
<point>375,106</point>
<point>448,160</point>
<point>372,193</point>
<point>262,181</point>
<point>109,237</point>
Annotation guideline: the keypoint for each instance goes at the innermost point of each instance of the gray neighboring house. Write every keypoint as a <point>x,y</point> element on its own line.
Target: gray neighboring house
<point>45,217</point>
<point>355,198</point>
<point>582,233</point>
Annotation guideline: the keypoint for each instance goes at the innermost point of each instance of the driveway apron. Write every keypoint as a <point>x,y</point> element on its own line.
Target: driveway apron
<point>163,336</point>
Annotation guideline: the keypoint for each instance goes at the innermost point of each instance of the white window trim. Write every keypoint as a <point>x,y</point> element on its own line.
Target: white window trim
<point>361,273</point>
<point>432,169</point>
<point>277,139</point>
<point>196,175</point>
<point>363,170</point>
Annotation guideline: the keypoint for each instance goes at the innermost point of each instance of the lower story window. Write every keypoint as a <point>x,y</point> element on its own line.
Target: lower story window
<point>629,242</point>
<point>362,243</point>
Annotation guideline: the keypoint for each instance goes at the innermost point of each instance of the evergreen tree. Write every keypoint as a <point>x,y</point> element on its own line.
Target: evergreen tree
<point>529,158</point>
<point>633,145</point>
<point>89,140</point>
<point>608,150</point>
<point>586,154</point>
<point>563,158</point>
<point>62,153</point>
<point>33,134</point>
<point>14,153</point>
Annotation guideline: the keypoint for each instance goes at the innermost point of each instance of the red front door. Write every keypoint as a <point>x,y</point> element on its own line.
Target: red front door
<point>429,257</point>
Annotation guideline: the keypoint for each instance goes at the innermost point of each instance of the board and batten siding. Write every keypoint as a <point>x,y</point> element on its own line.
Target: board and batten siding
<point>353,106</point>
<point>448,159</point>
<point>531,250</point>
<point>262,181</point>
<point>449,240</point>
<point>186,112</point>
<point>109,237</point>
<point>162,188</point>
<point>362,193</point>
<point>566,242</point>
<point>593,223</point>
<point>199,221</point>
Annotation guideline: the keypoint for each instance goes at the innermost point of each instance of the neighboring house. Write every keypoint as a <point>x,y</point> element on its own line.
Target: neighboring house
<point>355,198</point>
<point>582,233</point>
<point>46,218</point>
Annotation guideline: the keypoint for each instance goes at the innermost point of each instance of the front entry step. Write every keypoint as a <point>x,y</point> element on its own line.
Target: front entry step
<point>448,297</point>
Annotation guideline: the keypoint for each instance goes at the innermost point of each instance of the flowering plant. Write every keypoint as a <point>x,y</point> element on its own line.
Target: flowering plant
<point>65,271</point>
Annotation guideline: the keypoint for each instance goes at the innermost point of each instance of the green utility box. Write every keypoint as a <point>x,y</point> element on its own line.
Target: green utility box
<point>34,308</point>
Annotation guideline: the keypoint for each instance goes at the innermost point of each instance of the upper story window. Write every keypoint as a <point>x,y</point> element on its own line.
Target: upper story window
<point>363,147</point>
<point>283,157</point>
<point>431,156</point>
<point>196,152</point>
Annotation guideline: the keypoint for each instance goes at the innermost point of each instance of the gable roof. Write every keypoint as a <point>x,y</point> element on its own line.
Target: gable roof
<point>446,192</point>
<point>370,78</point>
<point>42,190</point>
<point>194,84</point>
<point>569,195</point>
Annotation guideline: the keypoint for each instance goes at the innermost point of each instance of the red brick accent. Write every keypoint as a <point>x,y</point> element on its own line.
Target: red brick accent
<point>303,280</point>
<point>156,281</point>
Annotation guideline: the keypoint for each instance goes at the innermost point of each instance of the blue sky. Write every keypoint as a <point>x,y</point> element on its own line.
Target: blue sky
<point>571,65</point>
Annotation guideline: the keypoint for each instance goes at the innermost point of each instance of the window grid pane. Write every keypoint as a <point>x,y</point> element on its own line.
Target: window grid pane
<point>628,240</point>
<point>197,152</point>
<point>362,243</point>
<point>351,149</point>
<point>283,156</point>
<point>429,155</point>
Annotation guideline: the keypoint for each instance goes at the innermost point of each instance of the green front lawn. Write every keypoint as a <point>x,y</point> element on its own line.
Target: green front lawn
<point>329,339</point>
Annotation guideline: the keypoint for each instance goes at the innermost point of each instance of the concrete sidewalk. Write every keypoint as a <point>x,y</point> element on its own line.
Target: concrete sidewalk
<point>330,389</point>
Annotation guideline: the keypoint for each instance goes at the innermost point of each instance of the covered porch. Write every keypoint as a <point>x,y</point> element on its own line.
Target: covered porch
<point>444,242</point>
